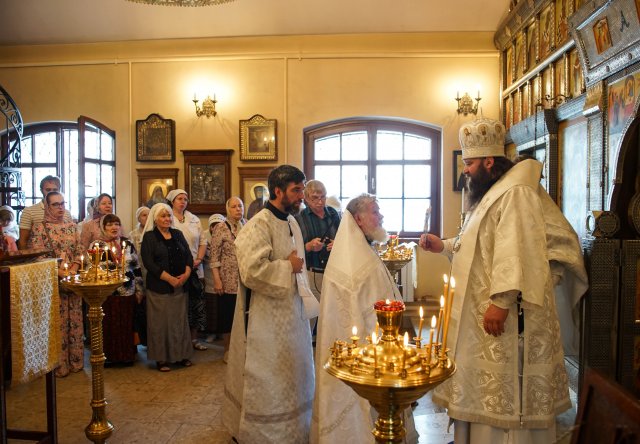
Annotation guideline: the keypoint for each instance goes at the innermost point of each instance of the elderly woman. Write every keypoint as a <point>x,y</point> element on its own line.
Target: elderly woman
<point>119,308</point>
<point>91,230</point>
<point>61,240</point>
<point>168,261</point>
<point>136,234</point>
<point>211,299</point>
<point>224,266</point>
<point>190,226</point>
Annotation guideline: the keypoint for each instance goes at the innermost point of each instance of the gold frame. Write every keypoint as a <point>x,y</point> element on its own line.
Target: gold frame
<point>148,179</point>
<point>155,139</point>
<point>258,138</point>
<point>208,192</point>
<point>248,178</point>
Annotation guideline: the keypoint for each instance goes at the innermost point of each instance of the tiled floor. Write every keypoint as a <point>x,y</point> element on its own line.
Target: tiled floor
<point>182,406</point>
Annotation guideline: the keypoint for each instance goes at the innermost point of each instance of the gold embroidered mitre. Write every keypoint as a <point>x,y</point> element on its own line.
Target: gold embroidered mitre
<point>482,138</point>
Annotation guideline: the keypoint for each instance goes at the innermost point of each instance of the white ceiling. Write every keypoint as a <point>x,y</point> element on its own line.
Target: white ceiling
<point>83,21</point>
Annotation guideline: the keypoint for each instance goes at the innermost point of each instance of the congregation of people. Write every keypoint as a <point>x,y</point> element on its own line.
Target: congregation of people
<point>300,273</point>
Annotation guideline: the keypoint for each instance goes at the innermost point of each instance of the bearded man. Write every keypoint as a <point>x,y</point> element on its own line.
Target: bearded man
<point>270,383</point>
<point>354,279</point>
<point>504,333</point>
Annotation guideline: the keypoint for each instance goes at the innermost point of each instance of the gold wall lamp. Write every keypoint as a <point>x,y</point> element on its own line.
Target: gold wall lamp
<point>208,106</point>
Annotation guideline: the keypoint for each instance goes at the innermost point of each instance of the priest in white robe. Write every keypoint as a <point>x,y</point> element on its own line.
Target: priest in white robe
<point>504,333</point>
<point>355,278</point>
<point>270,382</point>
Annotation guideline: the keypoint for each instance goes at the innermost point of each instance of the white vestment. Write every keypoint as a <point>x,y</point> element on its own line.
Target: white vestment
<point>354,279</point>
<point>269,383</point>
<point>503,247</point>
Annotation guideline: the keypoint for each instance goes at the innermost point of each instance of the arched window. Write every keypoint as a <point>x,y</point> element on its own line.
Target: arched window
<point>81,153</point>
<point>397,160</point>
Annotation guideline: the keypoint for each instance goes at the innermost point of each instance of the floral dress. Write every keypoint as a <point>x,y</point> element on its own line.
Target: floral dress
<point>62,240</point>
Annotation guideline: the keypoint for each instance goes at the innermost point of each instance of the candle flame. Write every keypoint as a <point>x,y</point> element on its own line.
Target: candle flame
<point>445,278</point>
<point>441,301</point>
<point>406,338</point>
<point>421,312</point>
<point>453,282</point>
<point>433,321</point>
<point>374,338</point>
<point>82,257</point>
<point>354,330</point>
<point>113,249</point>
<point>387,301</point>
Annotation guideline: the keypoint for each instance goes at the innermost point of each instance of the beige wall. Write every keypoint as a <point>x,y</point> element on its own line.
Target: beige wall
<point>299,81</point>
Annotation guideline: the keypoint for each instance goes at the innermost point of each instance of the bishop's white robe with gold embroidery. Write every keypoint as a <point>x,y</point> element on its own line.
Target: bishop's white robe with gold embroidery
<point>503,247</point>
<point>354,279</point>
<point>269,383</point>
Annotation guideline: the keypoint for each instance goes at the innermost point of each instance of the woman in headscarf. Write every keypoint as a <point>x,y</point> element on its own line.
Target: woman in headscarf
<point>168,261</point>
<point>224,266</point>
<point>136,234</point>
<point>190,226</point>
<point>61,240</point>
<point>119,308</point>
<point>89,214</point>
<point>8,229</point>
<point>91,230</point>
<point>211,299</point>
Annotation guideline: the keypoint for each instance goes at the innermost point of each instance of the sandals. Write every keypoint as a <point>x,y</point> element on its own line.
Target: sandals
<point>198,346</point>
<point>186,363</point>
<point>163,367</point>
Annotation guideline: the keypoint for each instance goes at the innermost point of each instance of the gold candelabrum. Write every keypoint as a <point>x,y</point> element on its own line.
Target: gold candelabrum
<point>395,256</point>
<point>94,283</point>
<point>389,372</point>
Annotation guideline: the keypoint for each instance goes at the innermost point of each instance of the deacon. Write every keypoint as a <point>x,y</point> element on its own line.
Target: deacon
<point>504,333</point>
<point>270,382</point>
<point>355,278</point>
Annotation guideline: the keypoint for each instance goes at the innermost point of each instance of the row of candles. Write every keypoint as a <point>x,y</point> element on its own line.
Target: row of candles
<point>95,255</point>
<point>439,326</point>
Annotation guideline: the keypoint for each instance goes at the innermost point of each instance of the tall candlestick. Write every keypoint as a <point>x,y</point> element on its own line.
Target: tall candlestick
<point>464,185</point>
<point>420,324</point>
<point>433,325</point>
<point>82,262</point>
<point>448,315</point>
<point>439,324</point>
<point>106,254</point>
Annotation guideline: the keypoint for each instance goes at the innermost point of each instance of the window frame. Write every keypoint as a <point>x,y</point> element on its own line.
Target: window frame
<point>372,125</point>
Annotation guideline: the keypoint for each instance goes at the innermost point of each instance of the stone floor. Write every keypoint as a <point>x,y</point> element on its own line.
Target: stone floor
<point>182,406</point>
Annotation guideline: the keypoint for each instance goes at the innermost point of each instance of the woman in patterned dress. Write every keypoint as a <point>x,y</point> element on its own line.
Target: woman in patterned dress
<point>62,240</point>
<point>120,306</point>
<point>224,266</point>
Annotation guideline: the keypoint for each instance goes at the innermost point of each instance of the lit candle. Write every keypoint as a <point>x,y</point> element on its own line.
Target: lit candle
<point>82,262</point>
<point>420,324</point>
<point>66,269</point>
<point>433,325</point>
<point>439,324</point>
<point>106,253</point>
<point>427,220</point>
<point>354,335</point>
<point>448,315</point>
<point>464,185</point>
<point>194,96</point>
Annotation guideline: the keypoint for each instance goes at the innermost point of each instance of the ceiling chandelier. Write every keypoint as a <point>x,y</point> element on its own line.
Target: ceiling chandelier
<point>182,2</point>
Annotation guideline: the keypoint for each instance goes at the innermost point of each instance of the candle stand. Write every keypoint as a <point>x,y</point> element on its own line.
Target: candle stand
<point>395,257</point>
<point>388,374</point>
<point>94,285</point>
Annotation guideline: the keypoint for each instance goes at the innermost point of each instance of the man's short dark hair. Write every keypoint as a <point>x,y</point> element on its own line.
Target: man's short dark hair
<point>282,176</point>
<point>50,178</point>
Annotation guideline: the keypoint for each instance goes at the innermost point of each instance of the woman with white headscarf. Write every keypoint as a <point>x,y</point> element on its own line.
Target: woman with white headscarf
<point>168,261</point>
<point>136,234</point>
<point>190,226</point>
<point>211,299</point>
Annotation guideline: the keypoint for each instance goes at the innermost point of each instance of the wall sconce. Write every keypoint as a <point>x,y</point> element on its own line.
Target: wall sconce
<point>465,103</point>
<point>208,106</point>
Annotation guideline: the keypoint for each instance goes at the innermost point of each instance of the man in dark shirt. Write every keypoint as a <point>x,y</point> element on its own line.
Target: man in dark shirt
<point>319,224</point>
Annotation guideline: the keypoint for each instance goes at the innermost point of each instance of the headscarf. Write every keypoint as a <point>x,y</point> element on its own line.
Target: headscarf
<point>216,218</point>
<point>151,219</point>
<point>48,213</point>
<point>139,211</point>
<point>234,225</point>
<point>96,205</point>
<point>174,193</point>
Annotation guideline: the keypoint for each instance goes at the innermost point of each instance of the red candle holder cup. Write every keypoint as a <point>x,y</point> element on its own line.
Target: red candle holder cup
<point>389,318</point>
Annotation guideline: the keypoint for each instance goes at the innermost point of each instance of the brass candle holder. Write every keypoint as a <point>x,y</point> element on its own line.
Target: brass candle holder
<point>395,256</point>
<point>388,374</point>
<point>94,285</point>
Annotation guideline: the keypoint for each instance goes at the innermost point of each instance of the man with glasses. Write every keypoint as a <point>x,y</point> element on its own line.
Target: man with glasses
<point>33,215</point>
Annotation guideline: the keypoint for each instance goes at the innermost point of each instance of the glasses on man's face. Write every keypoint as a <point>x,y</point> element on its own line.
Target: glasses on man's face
<point>317,198</point>
<point>58,204</point>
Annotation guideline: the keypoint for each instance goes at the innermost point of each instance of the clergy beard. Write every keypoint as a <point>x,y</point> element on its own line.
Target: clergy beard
<point>378,234</point>
<point>292,208</point>
<point>479,185</point>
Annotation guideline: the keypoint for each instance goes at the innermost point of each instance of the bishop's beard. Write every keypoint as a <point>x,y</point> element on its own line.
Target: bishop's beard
<point>478,186</point>
<point>378,234</point>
